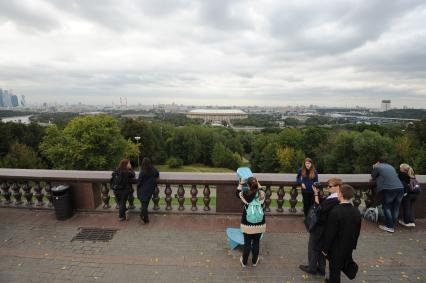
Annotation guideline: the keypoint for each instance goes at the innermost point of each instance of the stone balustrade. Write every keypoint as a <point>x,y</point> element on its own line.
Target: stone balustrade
<point>175,192</point>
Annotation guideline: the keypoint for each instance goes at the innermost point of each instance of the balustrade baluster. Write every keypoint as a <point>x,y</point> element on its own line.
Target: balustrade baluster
<point>357,198</point>
<point>206,199</point>
<point>49,196</point>
<point>293,199</point>
<point>194,198</point>
<point>105,196</point>
<point>280,200</point>
<point>168,198</point>
<point>28,194</point>
<point>181,197</point>
<point>369,198</point>
<point>131,198</point>
<point>116,196</point>
<point>38,194</point>
<point>6,194</point>
<point>156,198</point>
<point>16,193</point>
<point>268,193</point>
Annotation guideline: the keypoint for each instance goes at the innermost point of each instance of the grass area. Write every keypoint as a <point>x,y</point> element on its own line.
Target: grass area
<point>194,168</point>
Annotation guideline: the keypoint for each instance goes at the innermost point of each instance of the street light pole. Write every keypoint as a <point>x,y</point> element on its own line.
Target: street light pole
<point>137,142</point>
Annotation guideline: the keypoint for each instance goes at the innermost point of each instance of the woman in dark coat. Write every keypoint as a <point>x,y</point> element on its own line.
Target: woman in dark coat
<point>147,182</point>
<point>124,173</point>
<point>406,173</point>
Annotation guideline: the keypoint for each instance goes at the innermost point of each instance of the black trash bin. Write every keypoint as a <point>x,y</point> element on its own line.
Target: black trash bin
<point>61,199</point>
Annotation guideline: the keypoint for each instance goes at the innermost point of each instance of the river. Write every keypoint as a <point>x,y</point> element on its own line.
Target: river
<point>17,119</point>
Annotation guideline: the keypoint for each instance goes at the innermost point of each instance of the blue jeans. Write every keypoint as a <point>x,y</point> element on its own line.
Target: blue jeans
<point>391,203</point>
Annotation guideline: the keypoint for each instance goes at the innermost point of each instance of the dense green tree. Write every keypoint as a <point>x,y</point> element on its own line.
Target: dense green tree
<point>87,143</point>
<point>289,159</point>
<point>21,156</point>
<point>223,157</point>
<point>291,137</point>
<point>340,154</point>
<point>185,145</point>
<point>369,147</point>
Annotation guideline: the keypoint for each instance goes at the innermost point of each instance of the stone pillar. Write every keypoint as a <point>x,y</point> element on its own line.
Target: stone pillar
<point>226,200</point>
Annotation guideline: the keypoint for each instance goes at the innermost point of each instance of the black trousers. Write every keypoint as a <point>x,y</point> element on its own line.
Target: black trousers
<point>308,200</point>
<point>251,243</point>
<point>334,270</point>
<point>123,196</point>
<point>144,210</point>
<point>408,208</point>
<point>315,258</point>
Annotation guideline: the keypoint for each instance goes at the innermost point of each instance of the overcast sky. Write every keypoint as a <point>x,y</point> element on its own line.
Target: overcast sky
<point>219,52</point>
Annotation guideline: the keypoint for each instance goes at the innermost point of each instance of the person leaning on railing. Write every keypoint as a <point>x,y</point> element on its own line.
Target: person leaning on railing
<point>388,183</point>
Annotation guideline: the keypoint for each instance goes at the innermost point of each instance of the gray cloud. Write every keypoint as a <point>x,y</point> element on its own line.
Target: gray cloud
<point>335,26</point>
<point>215,52</point>
<point>27,15</point>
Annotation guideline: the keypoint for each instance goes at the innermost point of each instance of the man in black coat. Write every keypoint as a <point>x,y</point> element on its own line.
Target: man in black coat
<point>341,236</point>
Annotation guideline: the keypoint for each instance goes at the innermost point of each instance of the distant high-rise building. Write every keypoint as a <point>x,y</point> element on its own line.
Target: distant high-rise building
<point>7,101</point>
<point>14,100</point>
<point>23,100</point>
<point>386,105</point>
<point>1,98</point>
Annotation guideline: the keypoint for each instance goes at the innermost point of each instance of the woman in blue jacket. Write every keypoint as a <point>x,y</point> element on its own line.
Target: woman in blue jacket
<point>147,182</point>
<point>306,176</point>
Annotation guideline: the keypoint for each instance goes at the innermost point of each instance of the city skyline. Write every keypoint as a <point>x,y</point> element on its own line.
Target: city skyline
<point>216,52</point>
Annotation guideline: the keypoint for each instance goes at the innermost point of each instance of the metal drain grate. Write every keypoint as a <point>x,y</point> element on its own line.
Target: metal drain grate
<point>94,234</point>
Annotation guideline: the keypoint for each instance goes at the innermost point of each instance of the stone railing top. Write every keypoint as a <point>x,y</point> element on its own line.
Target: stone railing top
<point>175,177</point>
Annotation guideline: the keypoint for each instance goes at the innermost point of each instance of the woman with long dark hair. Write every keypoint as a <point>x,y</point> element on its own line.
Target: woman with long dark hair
<point>147,182</point>
<point>251,231</point>
<point>306,177</point>
<point>121,178</point>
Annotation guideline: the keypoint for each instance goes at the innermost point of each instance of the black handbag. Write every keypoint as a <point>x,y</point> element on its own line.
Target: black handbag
<point>312,217</point>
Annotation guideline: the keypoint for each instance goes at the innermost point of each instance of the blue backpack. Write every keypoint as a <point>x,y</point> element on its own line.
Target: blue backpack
<point>254,211</point>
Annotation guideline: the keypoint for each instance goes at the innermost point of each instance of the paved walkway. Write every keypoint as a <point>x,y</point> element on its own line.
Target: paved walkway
<point>34,247</point>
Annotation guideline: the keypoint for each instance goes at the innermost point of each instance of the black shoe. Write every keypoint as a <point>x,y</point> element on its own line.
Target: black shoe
<point>121,219</point>
<point>321,272</point>
<point>305,268</point>
<point>326,280</point>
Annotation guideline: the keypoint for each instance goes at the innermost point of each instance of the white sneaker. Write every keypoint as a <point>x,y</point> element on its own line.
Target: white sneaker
<point>241,261</point>
<point>411,224</point>
<point>257,261</point>
<point>403,223</point>
<point>387,229</point>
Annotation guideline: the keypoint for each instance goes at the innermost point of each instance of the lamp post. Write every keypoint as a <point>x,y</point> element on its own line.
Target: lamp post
<point>137,142</point>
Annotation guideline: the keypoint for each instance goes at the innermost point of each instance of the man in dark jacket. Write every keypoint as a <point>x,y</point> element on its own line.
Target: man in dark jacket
<point>388,183</point>
<point>341,236</point>
<point>316,235</point>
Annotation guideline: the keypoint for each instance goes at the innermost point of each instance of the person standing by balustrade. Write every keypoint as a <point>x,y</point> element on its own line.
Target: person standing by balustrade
<point>252,220</point>
<point>406,174</point>
<point>306,176</point>
<point>388,183</point>
<point>325,204</point>
<point>147,182</point>
<point>121,183</point>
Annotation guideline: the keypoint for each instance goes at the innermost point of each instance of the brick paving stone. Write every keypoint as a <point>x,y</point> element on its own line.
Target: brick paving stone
<point>35,247</point>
